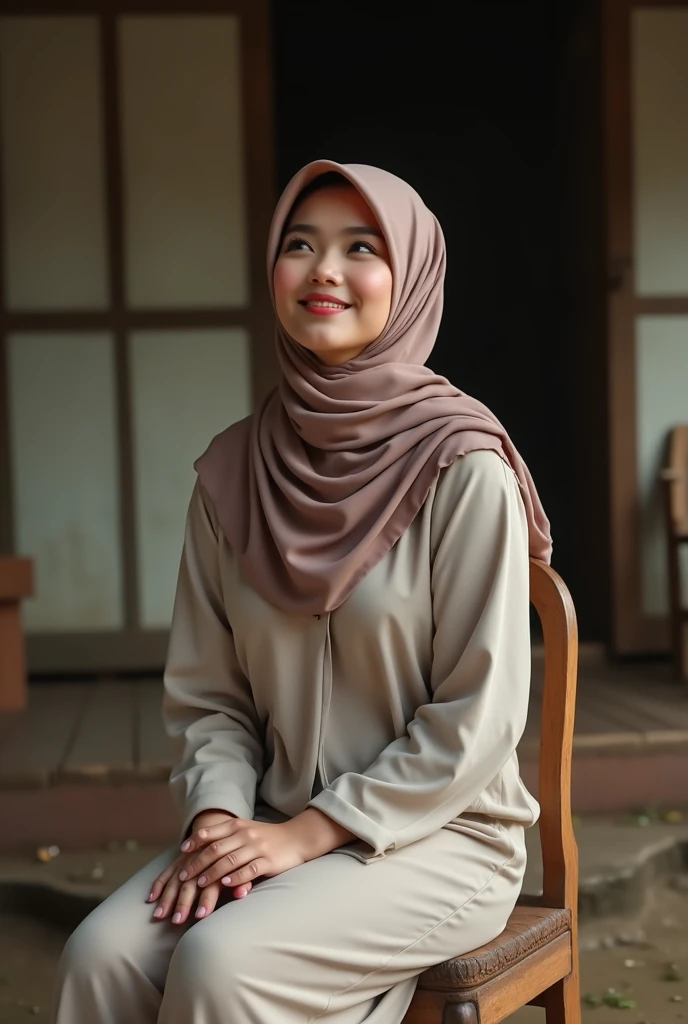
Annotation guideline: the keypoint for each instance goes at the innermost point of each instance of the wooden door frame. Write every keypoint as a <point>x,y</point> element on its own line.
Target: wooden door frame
<point>632,630</point>
<point>146,649</point>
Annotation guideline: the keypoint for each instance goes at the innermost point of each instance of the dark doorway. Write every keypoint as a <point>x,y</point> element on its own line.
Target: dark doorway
<point>473,105</point>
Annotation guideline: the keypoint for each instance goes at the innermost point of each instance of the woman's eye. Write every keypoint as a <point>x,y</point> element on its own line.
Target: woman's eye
<point>361,247</point>
<point>296,244</point>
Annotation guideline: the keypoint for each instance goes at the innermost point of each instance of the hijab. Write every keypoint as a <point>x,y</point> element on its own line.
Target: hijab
<point>316,486</point>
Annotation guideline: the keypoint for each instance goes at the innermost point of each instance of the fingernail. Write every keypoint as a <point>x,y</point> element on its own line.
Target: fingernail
<point>203,879</point>
<point>201,912</point>
<point>177,918</point>
<point>149,897</point>
<point>159,912</point>
<point>227,880</point>
<point>182,875</point>
<point>186,845</point>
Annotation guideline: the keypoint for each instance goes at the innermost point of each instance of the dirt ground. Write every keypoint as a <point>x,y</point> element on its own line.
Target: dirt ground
<point>633,970</point>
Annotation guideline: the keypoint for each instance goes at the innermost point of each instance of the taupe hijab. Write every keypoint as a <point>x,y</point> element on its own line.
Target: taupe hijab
<point>318,484</point>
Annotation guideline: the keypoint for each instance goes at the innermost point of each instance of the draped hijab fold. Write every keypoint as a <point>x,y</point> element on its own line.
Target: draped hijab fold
<point>315,487</point>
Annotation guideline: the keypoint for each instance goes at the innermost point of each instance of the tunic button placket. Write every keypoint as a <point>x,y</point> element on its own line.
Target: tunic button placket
<point>326,694</point>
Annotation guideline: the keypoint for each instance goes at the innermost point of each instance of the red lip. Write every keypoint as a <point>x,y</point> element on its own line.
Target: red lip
<point>323,310</point>
<point>321,297</point>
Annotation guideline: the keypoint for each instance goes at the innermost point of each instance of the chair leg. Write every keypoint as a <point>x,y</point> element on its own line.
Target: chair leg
<point>461,1013</point>
<point>562,1001</point>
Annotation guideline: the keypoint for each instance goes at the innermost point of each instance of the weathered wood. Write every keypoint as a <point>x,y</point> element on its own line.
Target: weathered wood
<point>670,711</point>
<point>501,996</point>
<point>36,740</point>
<point>16,578</point>
<point>529,928</point>
<point>461,1013</point>
<point>103,749</point>
<point>16,583</point>
<point>674,478</point>
<point>153,747</point>
<point>639,688</point>
<point>536,957</point>
<point>559,853</point>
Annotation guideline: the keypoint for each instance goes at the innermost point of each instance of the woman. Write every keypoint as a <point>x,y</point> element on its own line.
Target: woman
<point>349,662</point>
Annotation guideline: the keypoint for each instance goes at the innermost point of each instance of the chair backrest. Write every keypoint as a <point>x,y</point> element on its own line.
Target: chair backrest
<point>553,604</point>
<point>675,476</point>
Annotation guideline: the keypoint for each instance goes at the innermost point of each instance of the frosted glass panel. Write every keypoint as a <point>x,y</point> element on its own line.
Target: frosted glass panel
<point>183,162</point>
<point>662,397</point>
<point>64,455</point>
<point>53,207</point>
<point>660,129</point>
<point>187,386</point>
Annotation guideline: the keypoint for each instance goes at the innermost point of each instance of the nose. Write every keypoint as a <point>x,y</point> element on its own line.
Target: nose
<point>326,271</point>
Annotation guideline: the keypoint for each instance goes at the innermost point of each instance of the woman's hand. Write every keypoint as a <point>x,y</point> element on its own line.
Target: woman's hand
<point>178,899</point>
<point>236,852</point>
<point>171,894</point>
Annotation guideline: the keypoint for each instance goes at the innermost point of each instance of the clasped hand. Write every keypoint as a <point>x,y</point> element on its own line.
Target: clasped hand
<point>230,854</point>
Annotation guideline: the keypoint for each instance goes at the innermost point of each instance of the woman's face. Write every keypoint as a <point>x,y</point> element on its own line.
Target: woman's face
<point>332,278</point>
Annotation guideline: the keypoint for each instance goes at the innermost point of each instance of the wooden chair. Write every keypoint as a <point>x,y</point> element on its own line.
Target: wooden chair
<point>674,477</point>
<point>535,959</point>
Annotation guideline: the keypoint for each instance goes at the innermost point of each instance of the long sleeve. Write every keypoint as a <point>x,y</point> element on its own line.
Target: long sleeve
<point>208,706</point>
<point>458,743</point>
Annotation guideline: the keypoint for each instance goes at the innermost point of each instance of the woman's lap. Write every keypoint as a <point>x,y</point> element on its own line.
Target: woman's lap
<point>323,937</point>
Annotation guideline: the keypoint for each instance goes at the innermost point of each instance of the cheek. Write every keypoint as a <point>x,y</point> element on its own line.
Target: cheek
<point>374,288</point>
<point>286,279</point>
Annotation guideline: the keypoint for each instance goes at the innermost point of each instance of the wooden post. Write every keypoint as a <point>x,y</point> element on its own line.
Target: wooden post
<point>16,582</point>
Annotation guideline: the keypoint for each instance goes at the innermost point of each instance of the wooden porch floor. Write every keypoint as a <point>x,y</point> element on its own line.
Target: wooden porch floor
<point>110,731</point>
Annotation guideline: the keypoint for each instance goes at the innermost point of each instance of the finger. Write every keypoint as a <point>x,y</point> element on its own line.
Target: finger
<point>209,833</point>
<point>162,880</point>
<point>196,865</point>
<point>167,900</point>
<point>242,890</point>
<point>208,900</point>
<point>185,901</point>
<point>248,873</point>
<point>228,864</point>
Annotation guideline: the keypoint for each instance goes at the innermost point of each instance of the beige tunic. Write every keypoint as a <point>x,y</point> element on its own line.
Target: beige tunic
<point>397,714</point>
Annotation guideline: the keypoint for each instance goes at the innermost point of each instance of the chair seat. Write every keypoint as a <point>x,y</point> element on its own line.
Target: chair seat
<point>529,929</point>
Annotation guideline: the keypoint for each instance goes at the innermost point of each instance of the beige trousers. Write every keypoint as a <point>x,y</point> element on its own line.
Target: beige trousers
<point>333,940</point>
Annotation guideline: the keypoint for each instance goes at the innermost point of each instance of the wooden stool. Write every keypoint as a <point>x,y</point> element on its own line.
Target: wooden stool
<point>16,582</point>
<point>535,959</point>
<point>674,477</point>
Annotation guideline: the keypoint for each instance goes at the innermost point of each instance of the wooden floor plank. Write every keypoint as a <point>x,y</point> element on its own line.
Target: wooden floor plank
<point>35,743</point>
<point>618,714</point>
<point>154,753</point>
<point>103,750</point>
<point>113,732</point>
<point>663,708</point>
<point>591,721</point>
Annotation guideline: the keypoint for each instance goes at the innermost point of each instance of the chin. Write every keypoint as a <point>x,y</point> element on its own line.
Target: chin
<point>327,346</point>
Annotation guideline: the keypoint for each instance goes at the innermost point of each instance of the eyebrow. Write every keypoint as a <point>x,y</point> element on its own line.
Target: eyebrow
<point>362,229</point>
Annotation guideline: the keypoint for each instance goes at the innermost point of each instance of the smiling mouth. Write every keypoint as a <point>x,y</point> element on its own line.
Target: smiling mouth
<point>323,307</point>
<point>318,304</point>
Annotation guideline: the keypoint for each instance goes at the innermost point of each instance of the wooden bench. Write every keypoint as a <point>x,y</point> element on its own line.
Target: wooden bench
<point>674,477</point>
<point>535,959</point>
